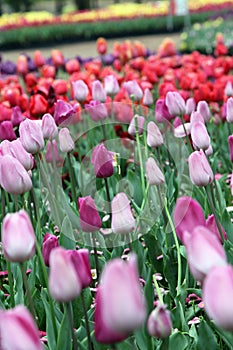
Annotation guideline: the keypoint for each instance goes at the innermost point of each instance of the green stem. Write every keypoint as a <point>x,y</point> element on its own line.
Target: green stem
<point>71,321</point>
<point>36,206</point>
<point>158,290</point>
<point>186,136</point>
<point>11,285</point>
<point>90,344</point>
<point>27,289</point>
<point>71,172</point>
<point>140,157</point>
<point>95,255</point>
<point>177,246</point>
<point>108,195</point>
<point>3,202</point>
<point>16,202</point>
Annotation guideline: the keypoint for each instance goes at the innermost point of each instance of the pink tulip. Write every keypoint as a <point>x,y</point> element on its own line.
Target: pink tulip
<point>137,123</point>
<point>153,173</point>
<point>66,142</point>
<point>80,259</point>
<point>16,116</point>
<point>204,251</point>
<point>18,237</point>
<point>123,221</point>
<point>190,106</point>
<point>89,217</point>
<point>49,243</point>
<point>80,90</point>
<point>229,110</point>
<point>161,111</point>
<point>13,176</point>
<point>49,127</point>
<point>111,85</point>
<point>6,131</point>
<point>102,159</point>
<point>230,144</point>
<point>187,215</point>
<point>154,136</point>
<point>31,135</point>
<point>120,304</point>
<point>98,111</point>
<point>18,330</point>
<point>159,323</point>
<point>212,226</point>
<point>148,99</point>
<point>64,283</point>
<point>217,296</point>
<point>98,92</point>
<point>228,90</point>
<point>16,150</point>
<point>200,136</point>
<point>133,89</point>
<point>203,109</point>
<point>175,103</point>
<point>52,153</point>
<point>182,130</point>
<point>63,113</point>
<point>196,117</point>
<point>200,171</point>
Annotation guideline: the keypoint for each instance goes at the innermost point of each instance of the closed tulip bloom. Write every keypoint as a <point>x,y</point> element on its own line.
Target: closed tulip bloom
<point>120,304</point>
<point>147,97</point>
<point>182,130</point>
<point>98,92</point>
<point>13,176</point>
<point>187,215</point>
<point>200,136</point>
<point>136,124</point>
<point>230,144</point>
<point>102,159</point>
<point>133,89</point>
<point>161,111</point>
<point>229,110</point>
<point>66,142</point>
<point>200,171</point>
<point>228,90</point>
<point>175,103</point>
<point>89,217</point>
<point>190,106</point>
<point>98,111</point>
<point>31,135</point>
<point>159,323</point>
<point>80,259</point>
<point>16,150</point>
<point>64,284</point>
<point>204,251</point>
<point>196,117</point>
<point>123,221</point>
<point>153,173</point>
<point>52,153</point>
<point>217,296</point>
<point>111,85</point>
<point>6,131</point>
<point>154,136</point>
<point>18,237</point>
<point>49,127</point>
<point>18,330</point>
<point>49,243</point>
<point>16,116</point>
<point>212,226</point>
<point>80,90</point>
<point>63,112</point>
<point>203,108</point>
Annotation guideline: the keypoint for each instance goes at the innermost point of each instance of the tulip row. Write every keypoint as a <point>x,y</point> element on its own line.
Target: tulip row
<point>91,169</point>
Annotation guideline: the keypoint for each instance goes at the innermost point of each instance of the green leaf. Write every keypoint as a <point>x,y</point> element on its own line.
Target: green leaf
<point>178,341</point>
<point>49,325</point>
<point>207,339</point>
<point>67,239</point>
<point>64,336</point>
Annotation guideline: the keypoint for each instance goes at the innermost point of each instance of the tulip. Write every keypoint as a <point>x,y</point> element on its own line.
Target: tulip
<point>98,92</point>
<point>217,296</point>
<point>228,90</point>
<point>57,58</point>
<point>123,221</point>
<point>18,330</point>
<point>49,127</point>
<point>65,140</point>
<point>49,243</point>
<point>212,226</point>
<point>64,283</point>
<point>204,251</point>
<point>97,110</point>
<point>196,117</point>
<point>18,237</point>
<point>16,116</point>
<point>120,304</point>
<point>22,64</point>
<point>161,111</point>
<point>111,85</point>
<point>52,153</point>
<point>190,106</point>
<point>159,323</point>
<point>13,176</point>
<point>229,110</point>
<point>133,89</point>
<point>89,217</point>
<point>63,112</point>
<point>153,173</point>
<point>200,136</point>
<point>38,105</point>
<point>39,58</point>
<point>80,259</point>
<point>182,130</point>
<point>231,184</point>
<point>16,150</point>
<point>60,87</point>
<point>154,136</point>
<point>136,125</point>
<point>102,159</point>
<point>80,90</point>
<point>187,215</point>
<point>31,135</point>
<point>6,131</point>
<point>203,109</point>
<point>175,103</point>
<point>101,45</point>
<point>147,98</point>
<point>230,144</point>
<point>200,171</point>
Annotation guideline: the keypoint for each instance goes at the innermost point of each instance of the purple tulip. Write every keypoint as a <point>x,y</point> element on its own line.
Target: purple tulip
<point>230,144</point>
<point>49,243</point>
<point>89,217</point>
<point>16,116</point>
<point>123,221</point>
<point>31,135</point>
<point>63,112</point>
<point>80,259</point>
<point>102,159</point>
<point>6,131</point>
<point>159,323</point>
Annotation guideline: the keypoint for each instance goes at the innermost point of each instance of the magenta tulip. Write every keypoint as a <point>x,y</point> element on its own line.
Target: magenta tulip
<point>200,171</point>
<point>16,116</point>
<point>31,135</point>
<point>159,323</point>
<point>6,131</point>
<point>89,217</point>
<point>52,153</point>
<point>161,111</point>
<point>212,226</point>
<point>230,145</point>
<point>80,259</point>
<point>102,159</point>
<point>123,221</point>
<point>63,112</point>
<point>49,243</point>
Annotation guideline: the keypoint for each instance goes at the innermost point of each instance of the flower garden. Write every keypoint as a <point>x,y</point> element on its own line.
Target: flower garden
<point>116,198</point>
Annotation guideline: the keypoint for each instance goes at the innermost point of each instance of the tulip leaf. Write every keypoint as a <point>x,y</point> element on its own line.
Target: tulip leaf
<point>207,339</point>
<point>64,335</point>
<point>67,239</point>
<point>179,341</point>
<point>49,325</point>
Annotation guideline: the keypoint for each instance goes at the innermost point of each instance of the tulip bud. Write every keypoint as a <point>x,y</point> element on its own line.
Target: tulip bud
<point>98,92</point>
<point>125,311</point>
<point>182,130</point>
<point>49,127</point>
<point>147,98</point>
<point>64,284</point>
<point>230,144</point>
<point>18,237</point>
<point>187,215</point>
<point>153,173</point>
<point>49,243</point>
<point>101,45</point>
<point>136,125</point>
<point>80,90</point>
<point>229,110</point>
<point>39,59</point>
<point>6,131</point>
<point>16,150</point>
<point>22,64</point>
<point>65,140</point>
<point>212,226</point>
<point>133,89</point>
<point>203,109</point>
<point>80,259</point>
<point>16,116</point>
<point>89,217</point>
<point>175,103</point>
<point>31,135</point>
<point>63,112</point>
<point>57,58</point>
<point>123,221</point>
<point>159,323</point>
<point>200,136</point>
<point>217,296</point>
<point>18,330</point>
<point>111,85</point>
<point>154,136</point>
<point>228,90</point>
<point>52,153</point>
<point>102,159</point>
<point>161,111</point>
<point>190,106</point>
<point>97,110</point>
<point>196,117</point>
<point>200,171</point>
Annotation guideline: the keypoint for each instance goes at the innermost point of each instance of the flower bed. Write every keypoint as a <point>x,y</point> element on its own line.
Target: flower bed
<point>116,192</point>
